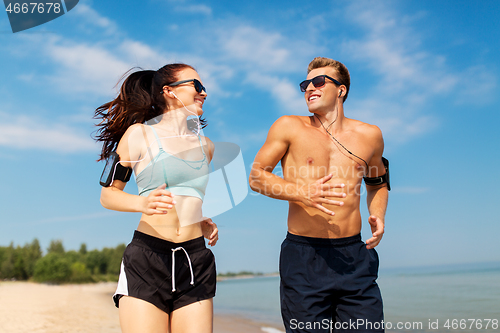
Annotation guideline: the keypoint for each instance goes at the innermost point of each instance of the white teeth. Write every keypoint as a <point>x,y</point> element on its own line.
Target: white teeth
<point>313,97</point>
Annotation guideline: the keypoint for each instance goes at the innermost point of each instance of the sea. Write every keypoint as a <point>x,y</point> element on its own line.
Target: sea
<point>453,298</point>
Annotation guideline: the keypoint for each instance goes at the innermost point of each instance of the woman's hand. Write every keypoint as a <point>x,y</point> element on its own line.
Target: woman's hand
<point>158,201</point>
<point>210,231</point>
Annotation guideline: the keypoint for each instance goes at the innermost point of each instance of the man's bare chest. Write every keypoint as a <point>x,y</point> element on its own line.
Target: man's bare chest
<point>316,155</point>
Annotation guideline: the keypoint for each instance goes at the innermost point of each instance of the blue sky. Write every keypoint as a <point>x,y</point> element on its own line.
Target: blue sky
<point>425,72</point>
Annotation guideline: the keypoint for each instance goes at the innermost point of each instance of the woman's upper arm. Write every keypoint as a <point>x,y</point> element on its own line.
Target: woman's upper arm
<point>129,150</point>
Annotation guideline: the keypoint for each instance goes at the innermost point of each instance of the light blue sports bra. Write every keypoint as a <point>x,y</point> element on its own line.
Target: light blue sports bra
<point>183,177</point>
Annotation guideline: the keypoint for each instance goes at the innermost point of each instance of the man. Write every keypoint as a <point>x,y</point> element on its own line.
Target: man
<point>327,273</point>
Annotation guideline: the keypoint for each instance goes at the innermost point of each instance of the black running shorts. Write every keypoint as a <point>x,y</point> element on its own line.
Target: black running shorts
<point>329,284</point>
<point>166,274</point>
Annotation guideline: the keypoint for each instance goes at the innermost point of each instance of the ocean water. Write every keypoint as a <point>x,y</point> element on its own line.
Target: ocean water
<point>461,298</point>
<point>253,298</point>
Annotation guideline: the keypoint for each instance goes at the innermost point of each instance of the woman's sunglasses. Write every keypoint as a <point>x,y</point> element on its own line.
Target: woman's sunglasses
<point>197,85</point>
<point>318,81</point>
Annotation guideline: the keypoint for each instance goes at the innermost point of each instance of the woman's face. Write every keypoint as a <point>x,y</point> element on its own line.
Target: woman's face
<point>185,94</point>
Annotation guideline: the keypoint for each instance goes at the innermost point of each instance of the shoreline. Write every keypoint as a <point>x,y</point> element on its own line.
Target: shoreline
<point>83,308</point>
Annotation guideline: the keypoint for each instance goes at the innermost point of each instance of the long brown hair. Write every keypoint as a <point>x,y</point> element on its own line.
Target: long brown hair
<point>139,100</point>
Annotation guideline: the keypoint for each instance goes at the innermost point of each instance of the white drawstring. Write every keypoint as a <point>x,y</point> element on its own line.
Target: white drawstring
<point>173,266</point>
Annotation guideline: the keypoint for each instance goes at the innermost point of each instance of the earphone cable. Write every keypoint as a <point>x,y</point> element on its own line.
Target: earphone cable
<point>347,150</point>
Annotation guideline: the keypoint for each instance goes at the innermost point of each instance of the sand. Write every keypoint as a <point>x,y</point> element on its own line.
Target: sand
<point>88,308</point>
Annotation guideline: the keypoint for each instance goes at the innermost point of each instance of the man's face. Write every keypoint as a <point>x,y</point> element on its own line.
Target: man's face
<point>323,98</point>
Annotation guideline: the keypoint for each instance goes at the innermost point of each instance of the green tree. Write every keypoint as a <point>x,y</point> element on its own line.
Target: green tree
<point>56,246</point>
<point>83,249</point>
<point>7,267</point>
<point>13,263</point>
<point>32,252</point>
<point>53,268</point>
<point>96,262</point>
<point>115,259</point>
<point>72,256</point>
<point>80,273</point>
<point>2,258</point>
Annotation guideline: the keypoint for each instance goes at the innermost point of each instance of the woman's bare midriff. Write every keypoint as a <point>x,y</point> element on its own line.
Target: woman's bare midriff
<point>175,226</point>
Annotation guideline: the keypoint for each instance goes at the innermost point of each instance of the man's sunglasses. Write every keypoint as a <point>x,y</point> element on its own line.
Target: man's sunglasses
<point>197,85</point>
<point>318,81</point>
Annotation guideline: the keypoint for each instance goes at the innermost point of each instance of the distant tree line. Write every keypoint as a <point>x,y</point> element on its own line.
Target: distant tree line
<point>240,273</point>
<point>58,265</point>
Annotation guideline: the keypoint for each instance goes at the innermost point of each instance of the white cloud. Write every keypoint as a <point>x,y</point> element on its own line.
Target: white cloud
<point>95,69</point>
<point>29,133</point>
<point>262,56</point>
<point>185,6</point>
<point>84,68</point>
<point>399,120</point>
<point>195,9</point>
<point>93,18</point>
<point>143,55</point>
<point>285,92</point>
<point>392,50</point>
<point>409,79</point>
<point>255,49</point>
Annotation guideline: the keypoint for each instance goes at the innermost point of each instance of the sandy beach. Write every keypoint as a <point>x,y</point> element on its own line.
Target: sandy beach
<point>88,308</point>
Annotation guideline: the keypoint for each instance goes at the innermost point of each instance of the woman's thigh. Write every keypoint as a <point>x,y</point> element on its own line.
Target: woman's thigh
<point>138,316</point>
<point>196,317</point>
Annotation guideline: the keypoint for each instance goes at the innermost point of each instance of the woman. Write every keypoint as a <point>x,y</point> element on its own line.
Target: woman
<point>167,279</point>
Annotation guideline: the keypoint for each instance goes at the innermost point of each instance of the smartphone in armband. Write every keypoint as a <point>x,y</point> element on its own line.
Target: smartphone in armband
<point>113,170</point>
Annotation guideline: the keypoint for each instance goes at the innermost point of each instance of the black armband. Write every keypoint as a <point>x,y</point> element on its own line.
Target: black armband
<point>113,170</point>
<point>384,179</point>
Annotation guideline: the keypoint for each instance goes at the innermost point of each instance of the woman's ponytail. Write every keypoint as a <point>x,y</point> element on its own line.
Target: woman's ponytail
<point>133,105</point>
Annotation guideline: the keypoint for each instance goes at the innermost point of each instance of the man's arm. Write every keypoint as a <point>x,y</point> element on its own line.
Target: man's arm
<point>262,179</point>
<point>377,196</point>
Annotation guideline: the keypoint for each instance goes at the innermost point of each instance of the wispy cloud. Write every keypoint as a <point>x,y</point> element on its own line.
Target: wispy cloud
<point>409,78</point>
<point>95,69</point>
<point>265,58</point>
<point>257,49</point>
<point>22,132</point>
<point>186,6</point>
<point>84,68</point>
<point>195,9</point>
<point>91,18</point>
<point>285,92</point>
<point>391,49</point>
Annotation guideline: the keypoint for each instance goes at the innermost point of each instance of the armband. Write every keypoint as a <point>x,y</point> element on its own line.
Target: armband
<point>384,179</point>
<point>113,170</point>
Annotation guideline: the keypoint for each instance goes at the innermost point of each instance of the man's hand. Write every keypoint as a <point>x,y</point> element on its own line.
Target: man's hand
<point>377,226</point>
<point>315,194</point>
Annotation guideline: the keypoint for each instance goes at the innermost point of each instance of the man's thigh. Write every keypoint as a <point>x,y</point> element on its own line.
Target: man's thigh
<point>305,300</point>
<point>360,307</point>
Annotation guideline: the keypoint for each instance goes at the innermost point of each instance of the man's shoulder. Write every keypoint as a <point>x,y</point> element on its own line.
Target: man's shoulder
<point>290,121</point>
<point>365,129</point>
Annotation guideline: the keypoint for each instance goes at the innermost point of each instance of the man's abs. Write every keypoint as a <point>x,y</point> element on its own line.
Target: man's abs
<point>311,222</point>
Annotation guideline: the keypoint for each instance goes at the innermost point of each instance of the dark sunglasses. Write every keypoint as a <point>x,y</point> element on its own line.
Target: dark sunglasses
<point>318,81</point>
<point>197,85</point>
